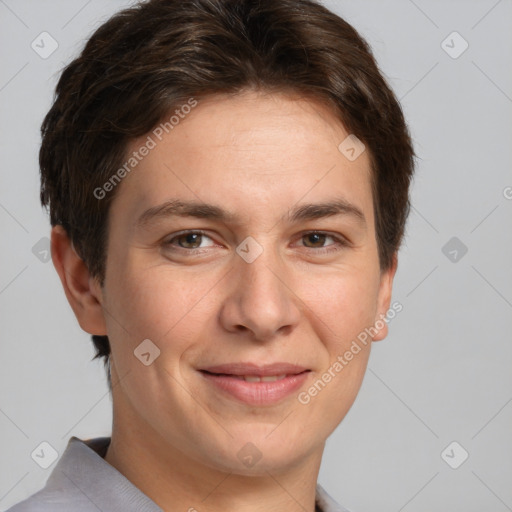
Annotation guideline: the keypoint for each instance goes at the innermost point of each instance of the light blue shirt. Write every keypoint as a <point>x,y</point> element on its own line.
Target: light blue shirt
<point>82,481</point>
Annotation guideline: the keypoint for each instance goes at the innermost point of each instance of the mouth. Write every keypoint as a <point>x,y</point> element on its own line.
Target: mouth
<point>253,384</point>
<point>252,378</point>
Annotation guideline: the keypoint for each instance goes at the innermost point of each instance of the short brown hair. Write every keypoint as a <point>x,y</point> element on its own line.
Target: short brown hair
<point>149,59</point>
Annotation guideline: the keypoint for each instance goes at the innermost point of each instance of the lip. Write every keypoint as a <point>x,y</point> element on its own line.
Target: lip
<point>254,369</point>
<point>226,378</point>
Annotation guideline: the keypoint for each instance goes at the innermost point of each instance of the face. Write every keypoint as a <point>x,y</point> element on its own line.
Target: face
<point>257,284</point>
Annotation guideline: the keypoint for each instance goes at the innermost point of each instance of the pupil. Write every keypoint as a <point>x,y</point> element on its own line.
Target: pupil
<point>315,235</point>
<point>187,237</point>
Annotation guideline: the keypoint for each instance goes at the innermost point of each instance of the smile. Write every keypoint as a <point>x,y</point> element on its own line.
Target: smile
<point>256,385</point>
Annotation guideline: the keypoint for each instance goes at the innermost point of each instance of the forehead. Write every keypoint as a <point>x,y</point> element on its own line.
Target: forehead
<point>253,153</point>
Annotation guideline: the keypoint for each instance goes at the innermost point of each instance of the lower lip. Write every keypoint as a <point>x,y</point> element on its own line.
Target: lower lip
<point>257,393</point>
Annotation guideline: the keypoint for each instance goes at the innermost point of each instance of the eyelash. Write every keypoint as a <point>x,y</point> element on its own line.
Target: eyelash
<point>340,242</point>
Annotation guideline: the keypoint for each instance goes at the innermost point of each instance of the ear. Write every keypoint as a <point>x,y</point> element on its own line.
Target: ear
<point>82,291</point>
<point>384,300</point>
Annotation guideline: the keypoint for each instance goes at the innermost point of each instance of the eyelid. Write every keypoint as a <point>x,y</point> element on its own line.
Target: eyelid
<point>168,239</point>
<point>336,236</point>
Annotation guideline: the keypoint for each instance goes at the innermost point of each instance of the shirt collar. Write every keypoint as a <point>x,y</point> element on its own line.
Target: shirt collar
<point>82,469</point>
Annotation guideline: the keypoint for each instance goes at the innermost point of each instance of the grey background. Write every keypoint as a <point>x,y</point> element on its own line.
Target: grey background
<point>442,375</point>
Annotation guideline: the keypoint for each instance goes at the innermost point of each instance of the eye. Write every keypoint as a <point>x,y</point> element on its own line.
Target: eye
<point>190,240</point>
<point>318,237</point>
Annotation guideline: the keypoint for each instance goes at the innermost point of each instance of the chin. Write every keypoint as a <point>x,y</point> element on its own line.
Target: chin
<point>259,467</point>
<point>254,455</point>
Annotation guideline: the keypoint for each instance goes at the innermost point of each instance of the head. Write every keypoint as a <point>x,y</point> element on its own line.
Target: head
<point>251,109</point>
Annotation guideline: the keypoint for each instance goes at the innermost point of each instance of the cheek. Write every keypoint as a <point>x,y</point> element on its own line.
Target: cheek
<point>341,309</point>
<point>343,303</point>
<point>159,304</point>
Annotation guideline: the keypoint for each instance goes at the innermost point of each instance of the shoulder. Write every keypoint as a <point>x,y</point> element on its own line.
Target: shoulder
<point>69,483</point>
<point>46,501</point>
<point>326,502</point>
<point>82,481</point>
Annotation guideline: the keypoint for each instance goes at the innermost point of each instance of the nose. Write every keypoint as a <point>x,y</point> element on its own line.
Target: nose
<point>261,303</point>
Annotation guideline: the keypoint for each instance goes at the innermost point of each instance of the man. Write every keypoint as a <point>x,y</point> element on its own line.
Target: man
<point>228,189</point>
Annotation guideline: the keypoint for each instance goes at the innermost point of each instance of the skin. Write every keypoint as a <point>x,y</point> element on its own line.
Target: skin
<point>174,436</point>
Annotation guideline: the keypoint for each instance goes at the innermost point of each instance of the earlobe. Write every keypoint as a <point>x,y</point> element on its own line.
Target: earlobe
<point>384,300</point>
<point>83,295</point>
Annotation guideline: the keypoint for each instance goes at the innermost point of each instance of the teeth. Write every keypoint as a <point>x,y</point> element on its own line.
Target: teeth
<point>272,378</point>
<point>256,378</point>
<point>269,378</point>
<point>251,378</point>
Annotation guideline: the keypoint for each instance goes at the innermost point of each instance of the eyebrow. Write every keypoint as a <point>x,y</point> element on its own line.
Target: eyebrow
<point>304,212</point>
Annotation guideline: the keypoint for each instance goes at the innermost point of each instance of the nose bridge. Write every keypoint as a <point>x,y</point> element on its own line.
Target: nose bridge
<point>262,276</point>
<point>266,268</point>
<point>261,299</point>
